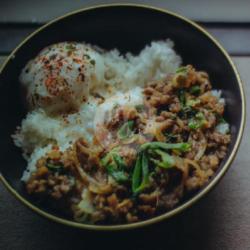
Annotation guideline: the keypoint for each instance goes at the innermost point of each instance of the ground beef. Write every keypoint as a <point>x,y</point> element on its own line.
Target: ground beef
<point>180,108</point>
<point>55,186</point>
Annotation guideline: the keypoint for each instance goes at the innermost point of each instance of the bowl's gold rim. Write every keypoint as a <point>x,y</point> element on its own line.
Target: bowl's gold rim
<point>184,205</point>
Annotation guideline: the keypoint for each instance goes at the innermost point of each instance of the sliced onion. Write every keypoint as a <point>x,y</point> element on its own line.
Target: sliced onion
<point>100,189</point>
<point>201,145</point>
<point>84,208</point>
<point>196,166</point>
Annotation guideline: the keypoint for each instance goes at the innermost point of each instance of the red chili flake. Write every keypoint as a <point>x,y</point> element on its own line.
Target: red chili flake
<point>60,64</point>
<point>49,81</point>
<point>77,60</point>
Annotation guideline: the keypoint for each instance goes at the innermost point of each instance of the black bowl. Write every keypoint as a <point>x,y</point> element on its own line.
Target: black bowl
<point>128,28</point>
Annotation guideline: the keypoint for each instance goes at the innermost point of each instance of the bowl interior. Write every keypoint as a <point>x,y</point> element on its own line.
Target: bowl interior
<point>127,28</point>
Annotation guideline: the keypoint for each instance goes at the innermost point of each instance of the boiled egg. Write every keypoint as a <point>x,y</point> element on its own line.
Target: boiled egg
<point>61,76</point>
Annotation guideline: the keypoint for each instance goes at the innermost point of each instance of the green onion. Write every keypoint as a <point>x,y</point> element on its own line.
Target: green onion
<point>126,130</point>
<point>221,119</point>
<point>166,161</point>
<point>137,174</point>
<point>115,165</point>
<point>54,167</point>
<point>187,110</point>
<point>200,116</point>
<point>182,97</point>
<point>150,150</point>
<point>140,178</point>
<point>119,161</point>
<point>192,103</point>
<point>119,176</point>
<point>196,90</point>
<point>198,121</point>
<point>182,147</point>
<point>194,124</point>
<point>182,70</point>
<point>113,158</point>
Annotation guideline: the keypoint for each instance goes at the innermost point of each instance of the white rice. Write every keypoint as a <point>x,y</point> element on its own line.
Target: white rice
<point>38,129</point>
<point>153,62</point>
<point>217,93</point>
<point>36,155</point>
<point>222,127</point>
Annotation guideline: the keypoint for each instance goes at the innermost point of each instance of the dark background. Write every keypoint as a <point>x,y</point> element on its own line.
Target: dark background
<point>219,221</point>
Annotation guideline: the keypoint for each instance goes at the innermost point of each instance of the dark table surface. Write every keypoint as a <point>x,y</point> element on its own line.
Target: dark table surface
<point>221,220</point>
